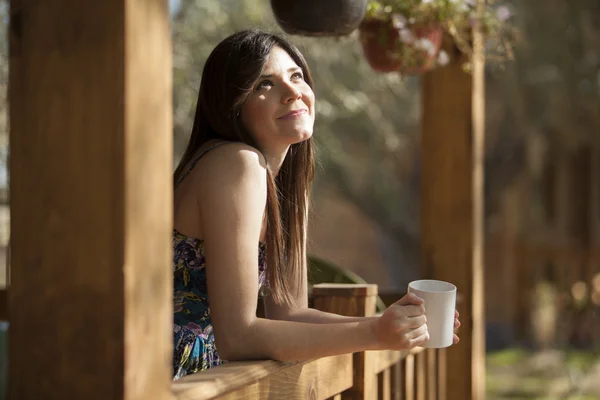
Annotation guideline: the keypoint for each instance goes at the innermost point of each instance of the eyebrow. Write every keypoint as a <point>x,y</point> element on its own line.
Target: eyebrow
<point>292,69</point>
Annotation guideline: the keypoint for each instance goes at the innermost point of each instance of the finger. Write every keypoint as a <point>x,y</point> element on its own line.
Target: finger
<point>412,311</point>
<point>415,333</point>
<point>456,314</point>
<point>402,312</point>
<point>456,339</point>
<point>415,322</point>
<point>419,341</point>
<point>409,298</point>
<point>456,324</point>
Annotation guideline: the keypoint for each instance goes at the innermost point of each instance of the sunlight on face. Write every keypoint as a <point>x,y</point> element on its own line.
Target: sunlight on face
<point>280,109</point>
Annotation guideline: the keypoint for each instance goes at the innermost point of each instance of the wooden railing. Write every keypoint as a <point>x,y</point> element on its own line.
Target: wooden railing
<point>419,374</point>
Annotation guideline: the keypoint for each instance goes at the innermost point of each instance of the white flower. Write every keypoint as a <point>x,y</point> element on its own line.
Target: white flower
<point>503,13</point>
<point>443,58</point>
<point>399,21</point>
<point>426,45</point>
<point>406,36</point>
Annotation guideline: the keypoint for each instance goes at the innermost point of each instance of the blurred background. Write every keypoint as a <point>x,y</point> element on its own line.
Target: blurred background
<point>542,178</point>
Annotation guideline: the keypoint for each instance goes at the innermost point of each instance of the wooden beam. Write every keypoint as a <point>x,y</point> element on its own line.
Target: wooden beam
<point>452,206</point>
<point>316,379</point>
<point>91,163</point>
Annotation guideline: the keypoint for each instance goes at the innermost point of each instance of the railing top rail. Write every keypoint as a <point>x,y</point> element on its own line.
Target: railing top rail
<point>318,379</point>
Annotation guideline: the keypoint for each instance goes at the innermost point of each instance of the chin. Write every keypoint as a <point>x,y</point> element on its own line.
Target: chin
<point>301,136</point>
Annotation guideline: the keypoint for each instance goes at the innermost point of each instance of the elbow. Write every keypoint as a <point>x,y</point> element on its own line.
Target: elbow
<point>236,343</point>
<point>231,348</point>
<point>248,345</point>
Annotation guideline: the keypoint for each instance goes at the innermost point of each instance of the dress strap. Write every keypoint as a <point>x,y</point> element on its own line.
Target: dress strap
<point>193,164</point>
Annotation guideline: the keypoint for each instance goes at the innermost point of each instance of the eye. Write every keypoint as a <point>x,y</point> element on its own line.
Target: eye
<point>264,84</point>
<point>297,75</point>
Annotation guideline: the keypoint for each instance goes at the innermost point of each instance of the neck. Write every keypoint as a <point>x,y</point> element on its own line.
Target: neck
<point>275,156</point>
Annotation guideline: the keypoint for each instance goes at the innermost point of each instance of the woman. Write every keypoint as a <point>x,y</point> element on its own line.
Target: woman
<point>241,204</point>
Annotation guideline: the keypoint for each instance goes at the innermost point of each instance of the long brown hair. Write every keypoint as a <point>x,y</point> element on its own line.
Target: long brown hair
<point>227,79</point>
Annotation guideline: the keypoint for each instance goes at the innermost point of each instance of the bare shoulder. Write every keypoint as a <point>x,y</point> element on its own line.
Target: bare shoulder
<point>236,164</point>
<point>235,154</point>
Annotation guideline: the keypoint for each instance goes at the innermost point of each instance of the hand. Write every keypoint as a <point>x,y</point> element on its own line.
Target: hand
<point>402,326</point>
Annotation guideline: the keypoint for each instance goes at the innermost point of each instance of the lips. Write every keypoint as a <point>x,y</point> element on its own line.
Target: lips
<point>294,114</point>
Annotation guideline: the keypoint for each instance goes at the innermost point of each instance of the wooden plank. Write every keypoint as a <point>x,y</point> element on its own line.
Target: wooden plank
<point>409,377</point>
<point>442,375</point>
<point>384,385</point>
<point>344,289</point>
<point>452,206</point>
<point>317,379</point>
<point>432,384</point>
<point>3,305</point>
<point>397,382</point>
<point>91,162</point>
<point>421,371</point>
<point>384,359</point>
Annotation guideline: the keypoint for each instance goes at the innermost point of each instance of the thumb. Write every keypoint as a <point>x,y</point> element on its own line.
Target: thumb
<point>410,298</point>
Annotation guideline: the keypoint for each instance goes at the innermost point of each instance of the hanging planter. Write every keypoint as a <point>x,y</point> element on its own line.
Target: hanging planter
<point>410,49</point>
<point>319,17</point>
<point>406,35</point>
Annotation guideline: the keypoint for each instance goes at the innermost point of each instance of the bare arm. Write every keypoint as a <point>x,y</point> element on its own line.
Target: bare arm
<point>233,183</point>
<point>313,316</point>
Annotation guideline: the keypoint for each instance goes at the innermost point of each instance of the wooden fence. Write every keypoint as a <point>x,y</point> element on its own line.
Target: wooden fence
<point>418,374</point>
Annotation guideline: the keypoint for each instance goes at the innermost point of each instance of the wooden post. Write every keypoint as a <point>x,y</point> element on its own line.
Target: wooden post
<point>354,301</point>
<point>594,182</point>
<point>91,202</point>
<point>452,206</point>
<point>561,222</point>
<point>513,294</point>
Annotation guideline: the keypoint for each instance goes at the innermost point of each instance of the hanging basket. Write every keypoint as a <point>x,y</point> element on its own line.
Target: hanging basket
<point>319,17</point>
<point>411,50</point>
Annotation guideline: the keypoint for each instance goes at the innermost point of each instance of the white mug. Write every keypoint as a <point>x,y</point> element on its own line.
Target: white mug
<point>440,306</point>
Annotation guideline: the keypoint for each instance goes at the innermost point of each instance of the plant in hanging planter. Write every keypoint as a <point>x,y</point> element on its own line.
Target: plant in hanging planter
<point>500,34</point>
<point>406,36</point>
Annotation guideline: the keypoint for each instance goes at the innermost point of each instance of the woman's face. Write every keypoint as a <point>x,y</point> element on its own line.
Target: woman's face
<point>280,109</point>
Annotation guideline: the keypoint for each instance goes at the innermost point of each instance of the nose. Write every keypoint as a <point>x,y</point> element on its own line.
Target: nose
<point>291,94</point>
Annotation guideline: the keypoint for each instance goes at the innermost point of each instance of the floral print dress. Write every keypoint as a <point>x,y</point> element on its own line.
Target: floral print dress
<point>194,341</point>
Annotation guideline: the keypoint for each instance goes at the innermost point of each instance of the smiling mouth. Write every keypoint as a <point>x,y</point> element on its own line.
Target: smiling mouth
<point>294,114</point>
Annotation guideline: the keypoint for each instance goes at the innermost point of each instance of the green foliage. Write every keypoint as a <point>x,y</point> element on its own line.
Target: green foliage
<point>508,357</point>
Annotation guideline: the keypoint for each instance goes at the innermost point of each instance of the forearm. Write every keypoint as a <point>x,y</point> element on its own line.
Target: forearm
<point>314,316</point>
<point>292,341</point>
